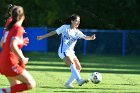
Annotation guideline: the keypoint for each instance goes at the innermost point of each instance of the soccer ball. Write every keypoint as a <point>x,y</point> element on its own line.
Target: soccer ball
<point>96,77</point>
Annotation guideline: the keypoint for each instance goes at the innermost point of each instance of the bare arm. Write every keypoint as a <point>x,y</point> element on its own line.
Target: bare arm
<point>1,42</point>
<point>17,51</point>
<point>46,35</point>
<point>93,37</point>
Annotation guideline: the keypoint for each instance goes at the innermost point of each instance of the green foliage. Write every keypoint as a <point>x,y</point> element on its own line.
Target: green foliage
<point>98,14</point>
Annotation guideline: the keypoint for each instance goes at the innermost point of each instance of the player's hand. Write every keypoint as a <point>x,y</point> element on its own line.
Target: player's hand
<point>39,37</point>
<point>25,41</point>
<point>93,37</point>
<point>25,60</point>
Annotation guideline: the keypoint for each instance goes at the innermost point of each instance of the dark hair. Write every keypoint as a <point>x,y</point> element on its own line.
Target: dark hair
<point>17,14</point>
<point>10,8</point>
<point>71,18</point>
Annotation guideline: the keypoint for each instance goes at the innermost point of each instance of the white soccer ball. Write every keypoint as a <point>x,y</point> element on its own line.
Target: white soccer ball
<point>96,77</point>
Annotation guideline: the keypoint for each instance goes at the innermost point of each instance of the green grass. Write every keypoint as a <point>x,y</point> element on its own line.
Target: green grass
<point>120,74</point>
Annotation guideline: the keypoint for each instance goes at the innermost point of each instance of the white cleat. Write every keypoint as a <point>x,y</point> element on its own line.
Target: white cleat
<point>82,81</point>
<point>70,86</point>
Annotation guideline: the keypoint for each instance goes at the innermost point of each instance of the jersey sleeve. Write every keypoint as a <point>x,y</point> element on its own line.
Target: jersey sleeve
<point>80,34</point>
<point>60,29</point>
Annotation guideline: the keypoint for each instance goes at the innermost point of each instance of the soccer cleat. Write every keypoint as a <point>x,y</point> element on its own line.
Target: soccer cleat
<point>82,81</point>
<point>70,86</point>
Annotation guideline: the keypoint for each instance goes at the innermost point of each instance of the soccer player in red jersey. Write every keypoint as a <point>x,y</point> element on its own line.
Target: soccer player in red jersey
<point>9,20</point>
<point>12,60</point>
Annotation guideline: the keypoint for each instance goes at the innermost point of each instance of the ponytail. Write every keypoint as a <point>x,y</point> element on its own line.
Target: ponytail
<point>10,25</point>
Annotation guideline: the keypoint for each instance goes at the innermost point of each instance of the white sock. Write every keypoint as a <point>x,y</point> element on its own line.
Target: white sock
<point>8,90</point>
<point>71,79</point>
<point>75,72</point>
<point>1,90</point>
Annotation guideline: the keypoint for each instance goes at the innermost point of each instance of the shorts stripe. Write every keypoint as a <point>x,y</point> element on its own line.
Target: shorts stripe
<point>61,44</point>
<point>64,54</point>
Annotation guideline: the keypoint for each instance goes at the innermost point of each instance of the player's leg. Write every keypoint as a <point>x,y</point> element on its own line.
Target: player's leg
<point>69,82</point>
<point>78,67</point>
<point>71,79</point>
<point>13,81</point>
<point>77,63</point>
<point>69,61</point>
<point>74,71</point>
<point>68,58</point>
<point>27,83</point>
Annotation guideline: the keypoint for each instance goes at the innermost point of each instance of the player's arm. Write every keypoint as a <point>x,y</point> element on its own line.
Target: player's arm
<point>46,35</point>
<point>16,50</point>
<point>93,37</point>
<point>1,42</point>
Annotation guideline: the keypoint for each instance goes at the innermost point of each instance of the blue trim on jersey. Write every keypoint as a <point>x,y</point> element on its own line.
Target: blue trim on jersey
<point>61,44</point>
<point>64,54</point>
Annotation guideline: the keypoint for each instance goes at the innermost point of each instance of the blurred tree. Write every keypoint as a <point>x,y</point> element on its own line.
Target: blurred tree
<point>98,14</point>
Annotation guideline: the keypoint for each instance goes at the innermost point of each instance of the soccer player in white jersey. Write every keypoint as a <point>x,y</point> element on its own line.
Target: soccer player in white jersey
<point>69,36</point>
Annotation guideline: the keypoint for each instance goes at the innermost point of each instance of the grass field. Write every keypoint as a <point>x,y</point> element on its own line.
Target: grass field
<point>120,74</point>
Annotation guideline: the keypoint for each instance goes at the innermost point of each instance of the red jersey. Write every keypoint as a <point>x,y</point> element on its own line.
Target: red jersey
<point>9,20</point>
<point>5,33</point>
<point>9,61</point>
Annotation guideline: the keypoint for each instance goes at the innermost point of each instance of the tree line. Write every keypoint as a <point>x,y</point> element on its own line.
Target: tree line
<point>95,14</point>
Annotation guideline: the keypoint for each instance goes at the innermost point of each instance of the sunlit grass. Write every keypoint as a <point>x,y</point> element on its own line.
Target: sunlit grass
<point>120,74</point>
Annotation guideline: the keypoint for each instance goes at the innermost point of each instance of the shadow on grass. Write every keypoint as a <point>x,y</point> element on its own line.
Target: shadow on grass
<point>82,89</point>
<point>83,71</point>
<point>78,88</point>
<point>99,65</point>
<point>118,65</point>
<point>47,64</point>
<point>52,87</point>
<point>128,84</point>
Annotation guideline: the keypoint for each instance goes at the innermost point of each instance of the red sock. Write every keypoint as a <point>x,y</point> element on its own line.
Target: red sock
<point>19,88</point>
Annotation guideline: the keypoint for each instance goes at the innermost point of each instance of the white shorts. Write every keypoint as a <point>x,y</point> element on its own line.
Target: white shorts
<point>64,54</point>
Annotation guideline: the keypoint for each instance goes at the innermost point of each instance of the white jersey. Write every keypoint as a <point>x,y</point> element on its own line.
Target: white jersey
<point>68,38</point>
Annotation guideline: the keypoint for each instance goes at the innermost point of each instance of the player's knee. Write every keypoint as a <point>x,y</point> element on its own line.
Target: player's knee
<point>68,63</point>
<point>78,68</point>
<point>31,85</point>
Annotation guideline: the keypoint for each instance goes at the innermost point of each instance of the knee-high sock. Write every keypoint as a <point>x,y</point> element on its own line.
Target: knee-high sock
<point>75,72</point>
<point>71,79</point>
<point>14,89</point>
<point>19,88</point>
